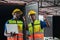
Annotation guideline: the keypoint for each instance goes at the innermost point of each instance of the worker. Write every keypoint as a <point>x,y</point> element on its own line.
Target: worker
<point>43,16</point>
<point>35,27</point>
<point>17,19</point>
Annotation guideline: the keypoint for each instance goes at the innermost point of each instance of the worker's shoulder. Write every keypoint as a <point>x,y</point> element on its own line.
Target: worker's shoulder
<point>37,20</point>
<point>13,20</point>
<point>9,20</point>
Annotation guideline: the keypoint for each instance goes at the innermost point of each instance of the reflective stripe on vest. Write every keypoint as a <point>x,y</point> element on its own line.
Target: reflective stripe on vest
<point>37,27</point>
<point>15,22</point>
<point>20,24</point>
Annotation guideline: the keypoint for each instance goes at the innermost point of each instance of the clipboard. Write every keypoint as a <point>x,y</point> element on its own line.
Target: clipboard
<point>12,28</point>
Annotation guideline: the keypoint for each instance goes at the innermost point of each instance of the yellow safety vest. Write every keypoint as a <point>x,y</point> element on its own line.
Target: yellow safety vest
<point>37,27</point>
<point>18,22</point>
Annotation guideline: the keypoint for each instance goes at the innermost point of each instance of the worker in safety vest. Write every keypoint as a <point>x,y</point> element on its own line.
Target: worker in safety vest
<point>36,32</point>
<point>17,14</point>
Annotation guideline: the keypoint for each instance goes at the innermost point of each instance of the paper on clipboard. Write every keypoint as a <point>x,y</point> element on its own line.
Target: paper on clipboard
<point>12,28</point>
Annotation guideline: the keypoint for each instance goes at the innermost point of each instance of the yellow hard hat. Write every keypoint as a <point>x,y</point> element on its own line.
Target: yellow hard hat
<point>31,12</point>
<point>16,10</point>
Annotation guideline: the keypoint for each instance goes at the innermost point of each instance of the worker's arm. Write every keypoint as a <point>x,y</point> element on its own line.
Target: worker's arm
<point>5,30</point>
<point>47,23</point>
<point>45,19</point>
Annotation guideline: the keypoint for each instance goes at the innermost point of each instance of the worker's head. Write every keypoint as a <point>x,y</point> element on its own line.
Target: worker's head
<point>46,13</point>
<point>43,13</point>
<point>32,14</point>
<point>17,13</point>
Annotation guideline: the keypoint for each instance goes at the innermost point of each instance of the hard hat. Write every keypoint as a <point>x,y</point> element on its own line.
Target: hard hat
<point>31,12</point>
<point>17,10</point>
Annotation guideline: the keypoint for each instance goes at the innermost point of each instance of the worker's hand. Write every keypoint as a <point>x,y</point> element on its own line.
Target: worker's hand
<point>12,34</point>
<point>47,23</point>
<point>24,18</point>
<point>7,34</point>
<point>46,20</point>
